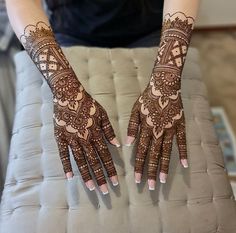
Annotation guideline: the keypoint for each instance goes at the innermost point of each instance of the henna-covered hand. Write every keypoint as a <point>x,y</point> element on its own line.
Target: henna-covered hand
<point>80,122</point>
<point>158,112</point>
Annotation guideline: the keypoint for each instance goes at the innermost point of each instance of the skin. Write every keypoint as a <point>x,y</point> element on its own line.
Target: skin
<point>171,7</point>
<point>31,12</point>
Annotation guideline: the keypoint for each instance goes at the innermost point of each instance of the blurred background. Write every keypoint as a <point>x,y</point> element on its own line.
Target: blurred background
<point>215,39</point>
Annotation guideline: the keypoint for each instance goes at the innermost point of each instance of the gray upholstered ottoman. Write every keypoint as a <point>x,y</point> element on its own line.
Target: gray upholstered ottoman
<point>38,198</point>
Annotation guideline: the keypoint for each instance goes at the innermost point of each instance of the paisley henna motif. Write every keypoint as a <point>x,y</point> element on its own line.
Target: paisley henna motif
<point>158,112</point>
<point>79,121</point>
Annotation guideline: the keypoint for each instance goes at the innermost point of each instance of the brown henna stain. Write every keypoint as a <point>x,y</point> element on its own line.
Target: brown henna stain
<point>159,109</point>
<point>79,120</point>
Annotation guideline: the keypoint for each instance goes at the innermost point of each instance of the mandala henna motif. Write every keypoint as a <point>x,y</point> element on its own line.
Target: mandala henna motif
<point>79,121</point>
<point>159,109</point>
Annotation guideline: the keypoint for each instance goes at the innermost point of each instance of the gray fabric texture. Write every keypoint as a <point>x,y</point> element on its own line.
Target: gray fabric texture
<point>38,198</point>
<point>7,106</point>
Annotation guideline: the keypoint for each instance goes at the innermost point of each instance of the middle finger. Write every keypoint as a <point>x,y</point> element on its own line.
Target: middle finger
<point>95,164</point>
<point>104,154</point>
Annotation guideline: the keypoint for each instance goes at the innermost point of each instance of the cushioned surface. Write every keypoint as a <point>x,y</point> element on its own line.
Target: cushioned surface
<point>38,198</point>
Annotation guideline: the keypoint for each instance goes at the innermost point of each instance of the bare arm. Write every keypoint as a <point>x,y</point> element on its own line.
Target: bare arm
<point>79,121</point>
<point>23,13</point>
<point>158,113</point>
<point>189,8</point>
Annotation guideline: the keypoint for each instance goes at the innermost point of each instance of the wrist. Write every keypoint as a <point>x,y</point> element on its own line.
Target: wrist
<point>165,84</point>
<point>66,87</point>
<point>171,54</point>
<point>40,43</point>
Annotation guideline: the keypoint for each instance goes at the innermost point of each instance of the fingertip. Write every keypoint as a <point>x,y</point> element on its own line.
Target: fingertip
<point>90,185</point>
<point>137,177</point>
<point>184,163</point>
<point>163,177</point>
<point>129,140</point>
<point>115,142</point>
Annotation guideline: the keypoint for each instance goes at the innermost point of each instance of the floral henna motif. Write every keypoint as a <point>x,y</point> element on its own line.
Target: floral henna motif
<point>159,109</point>
<point>79,120</point>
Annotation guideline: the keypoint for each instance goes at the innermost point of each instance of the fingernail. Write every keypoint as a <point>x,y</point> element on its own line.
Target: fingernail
<point>104,193</point>
<point>115,142</point>
<point>115,184</point>
<point>137,181</point>
<point>129,140</point>
<point>128,144</point>
<point>185,165</point>
<point>151,188</point>
<point>92,188</point>
<point>163,181</point>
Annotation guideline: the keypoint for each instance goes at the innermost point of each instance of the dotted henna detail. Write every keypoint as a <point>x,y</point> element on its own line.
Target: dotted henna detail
<point>159,109</point>
<point>79,120</point>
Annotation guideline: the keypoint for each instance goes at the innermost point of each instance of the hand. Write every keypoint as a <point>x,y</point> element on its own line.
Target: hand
<point>80,122</point>
<point>159,118</point>
<point>158,112</point>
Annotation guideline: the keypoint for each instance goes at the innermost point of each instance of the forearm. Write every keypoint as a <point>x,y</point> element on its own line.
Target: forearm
<point>23,13</point>
<point>189,8</point>
<point>33,30</point>
<point>185,12</point>
<point>178,24</point>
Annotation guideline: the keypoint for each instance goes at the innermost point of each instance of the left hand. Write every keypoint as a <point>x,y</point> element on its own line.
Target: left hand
<point>158,112</point>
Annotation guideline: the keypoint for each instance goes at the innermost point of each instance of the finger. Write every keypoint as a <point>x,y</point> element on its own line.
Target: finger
<point>95,164</point>
<point>82,164</point>
<point>106,126</point>
<point>154,157</point>
<point>143,145</point>
<point>106,158</point>
<point>165,152</point>
<point>63,150</point>
<point>129,140</point>
<point>181,138</point>
<point>134,121</point>
<point>115,142</point>
<point>69,175</point>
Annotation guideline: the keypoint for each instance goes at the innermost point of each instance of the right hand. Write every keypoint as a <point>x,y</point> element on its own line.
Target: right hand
<point>80,122</point>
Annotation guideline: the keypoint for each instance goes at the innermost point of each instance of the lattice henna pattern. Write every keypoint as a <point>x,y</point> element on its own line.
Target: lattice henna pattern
<point>79,120</point>
<point>159,109</point>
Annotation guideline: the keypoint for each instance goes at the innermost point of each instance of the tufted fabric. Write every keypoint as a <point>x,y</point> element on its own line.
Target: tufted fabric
<point>38,198</point>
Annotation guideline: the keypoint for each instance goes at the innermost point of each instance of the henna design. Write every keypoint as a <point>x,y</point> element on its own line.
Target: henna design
<point>79,120</point>
<point>159,109</point>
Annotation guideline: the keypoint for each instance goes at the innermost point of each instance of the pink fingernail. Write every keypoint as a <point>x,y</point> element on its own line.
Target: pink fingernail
<point>128,144</point>
<point>115,184</point>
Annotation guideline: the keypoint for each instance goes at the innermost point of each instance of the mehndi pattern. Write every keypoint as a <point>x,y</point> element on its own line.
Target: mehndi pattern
<point>79,121</point>
<point>158,112</point>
